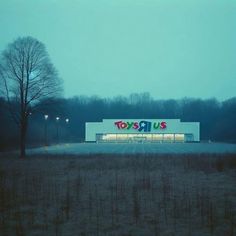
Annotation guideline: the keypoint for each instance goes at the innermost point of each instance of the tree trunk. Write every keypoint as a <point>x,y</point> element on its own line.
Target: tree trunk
<point>23,130</point>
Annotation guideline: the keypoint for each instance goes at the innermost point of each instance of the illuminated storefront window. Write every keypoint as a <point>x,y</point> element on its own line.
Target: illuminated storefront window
<point>107,137</point>
<point>122,137</point>
<point>168,137</point>
<point>179,137</point>
<point>143,137</point>
<point>157,137</point>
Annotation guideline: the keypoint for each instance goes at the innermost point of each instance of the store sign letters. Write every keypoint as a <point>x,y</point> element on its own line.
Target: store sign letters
<point>143,125</point>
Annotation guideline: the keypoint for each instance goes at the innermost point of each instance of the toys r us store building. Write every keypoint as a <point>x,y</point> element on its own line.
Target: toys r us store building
<point>142,130</point>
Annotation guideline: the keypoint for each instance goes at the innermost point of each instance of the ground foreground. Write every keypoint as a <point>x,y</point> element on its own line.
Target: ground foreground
<point>141,194</point>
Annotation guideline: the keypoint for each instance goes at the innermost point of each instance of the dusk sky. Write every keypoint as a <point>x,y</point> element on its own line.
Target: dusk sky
<point>169,48</point>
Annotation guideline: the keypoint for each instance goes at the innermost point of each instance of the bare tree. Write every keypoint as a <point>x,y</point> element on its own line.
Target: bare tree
<point>27,77</point>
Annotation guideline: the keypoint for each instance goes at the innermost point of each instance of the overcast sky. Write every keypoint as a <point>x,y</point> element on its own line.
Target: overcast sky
<point>170,48</point>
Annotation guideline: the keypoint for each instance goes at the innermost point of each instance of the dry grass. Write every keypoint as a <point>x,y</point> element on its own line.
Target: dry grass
<point>118,195</point>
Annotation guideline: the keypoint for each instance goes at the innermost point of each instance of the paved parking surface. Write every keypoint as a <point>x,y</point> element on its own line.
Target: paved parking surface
<point>126,148</point>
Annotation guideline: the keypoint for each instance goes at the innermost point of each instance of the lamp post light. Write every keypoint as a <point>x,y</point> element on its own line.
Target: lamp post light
<point>45,129</point>
<point>57,123</point>
<point>67,121</point>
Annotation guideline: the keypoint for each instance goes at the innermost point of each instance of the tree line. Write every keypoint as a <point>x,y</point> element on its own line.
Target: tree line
<point>217,119</point>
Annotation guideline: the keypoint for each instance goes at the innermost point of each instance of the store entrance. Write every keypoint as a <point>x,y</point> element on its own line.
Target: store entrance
<point>138,139</point>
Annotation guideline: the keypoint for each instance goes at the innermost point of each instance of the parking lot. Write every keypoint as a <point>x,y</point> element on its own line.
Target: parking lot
<point>133,148</point>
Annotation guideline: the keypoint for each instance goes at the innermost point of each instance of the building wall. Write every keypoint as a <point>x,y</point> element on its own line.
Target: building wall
<point>172,126</point>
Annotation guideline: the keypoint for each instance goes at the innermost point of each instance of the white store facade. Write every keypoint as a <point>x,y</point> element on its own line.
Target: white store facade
<point>142,130</point>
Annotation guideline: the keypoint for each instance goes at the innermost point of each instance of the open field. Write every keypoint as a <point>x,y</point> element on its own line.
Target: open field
<point>145,194</point>
<point>133,148</point>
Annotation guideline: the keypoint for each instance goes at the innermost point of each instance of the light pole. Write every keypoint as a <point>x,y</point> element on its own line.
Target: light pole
<point>67,121</point>
<point>45,129</point>
<point>57,123</point>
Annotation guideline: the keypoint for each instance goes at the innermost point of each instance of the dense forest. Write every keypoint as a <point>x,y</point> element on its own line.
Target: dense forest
<point>217,119</point>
